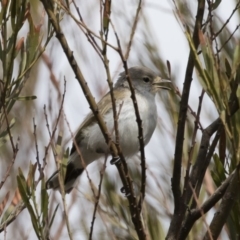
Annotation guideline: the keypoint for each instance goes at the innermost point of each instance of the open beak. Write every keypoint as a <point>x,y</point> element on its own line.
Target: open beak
<point>161,83</point>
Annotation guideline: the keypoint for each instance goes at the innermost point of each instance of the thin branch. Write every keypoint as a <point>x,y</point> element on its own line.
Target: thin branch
<point>133,29</point>
<point>36,146</point>
<point>8,129</point>
<point>199,168</point>
<point>201,212</point>
<point>179,207</point>
<point>121,165</point>
<point>60,177</point>
<point>14,148</point>
<point>13,215</point>
<point>195,214</point>
<point>104,34</point>
<point>90,33</point>
<point>229,38</point>
<point>52,135</point>
<point>190,153</point>
<point>97,197</point>
<point>87,32</point>
<point>227,21</point>
<point>138,119</point>
<point>81,157</point>
<point>211,201</point>
<point>189,107</point>
<point>53,78</point>
<point>229,198</point>
<point>7,174</point>
<point>203,168</point>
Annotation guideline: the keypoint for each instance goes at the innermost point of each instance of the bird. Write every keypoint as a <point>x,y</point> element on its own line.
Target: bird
<point>89,140</point>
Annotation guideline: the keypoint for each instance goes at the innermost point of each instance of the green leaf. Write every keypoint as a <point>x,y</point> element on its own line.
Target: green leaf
<point>209,76</point>
<point>44,200</point>
<point>32,42</point>
<point>236,57</point>
<point>25,194</point>
<point>154,227</point>
<point>25,98</point>
<point>63,165</point>
<point>23,62</point>
<point>13,7</point>
<point>218,174</point>
<point>5,132</point>
<point>23,182</point>
<point>228,69</point>
<point>1,53</point>
<point>106,14</point>
<point>31,173</point>
<point>54,214</point>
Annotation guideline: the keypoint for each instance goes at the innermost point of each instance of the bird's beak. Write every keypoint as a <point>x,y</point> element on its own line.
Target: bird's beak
<point>160,83</point>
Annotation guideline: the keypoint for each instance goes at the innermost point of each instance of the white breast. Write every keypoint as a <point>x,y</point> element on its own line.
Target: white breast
<point>94,146</point>
<point>128,127</point>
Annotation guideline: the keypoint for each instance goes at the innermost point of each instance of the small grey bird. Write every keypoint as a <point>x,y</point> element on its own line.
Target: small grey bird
<point>89,138</point>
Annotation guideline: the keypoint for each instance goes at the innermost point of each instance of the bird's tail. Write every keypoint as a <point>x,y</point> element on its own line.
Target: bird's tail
<point>72,174</point>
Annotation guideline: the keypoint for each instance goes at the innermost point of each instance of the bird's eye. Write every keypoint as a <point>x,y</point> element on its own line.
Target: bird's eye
<point>146,79</point>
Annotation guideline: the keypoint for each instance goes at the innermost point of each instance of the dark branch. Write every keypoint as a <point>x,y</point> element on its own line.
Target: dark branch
<point>179,208</point>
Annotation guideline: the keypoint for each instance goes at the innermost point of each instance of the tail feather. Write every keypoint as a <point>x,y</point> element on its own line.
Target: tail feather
<point>72,174</point>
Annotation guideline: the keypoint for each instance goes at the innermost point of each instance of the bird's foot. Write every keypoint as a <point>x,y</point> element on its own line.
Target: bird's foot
<point>125,191</point>
<point>115,160</point>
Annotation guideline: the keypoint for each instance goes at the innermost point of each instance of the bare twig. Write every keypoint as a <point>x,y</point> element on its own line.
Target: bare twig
<point>213,199</point>
<point>97,197</point>
<point>227,21</point>
<point>8,169</point>
<point>14,148</point>
<point>37,152</point>
<point>133,29</point>
<point>80,156</point>
<point>104,38</point>
<point>189,108</point>
<point>190,153</point>
<point>201,211</point>
<point>229,38</point>
<point>60,177</point>
<point>212,33</point>
<point>200,167</point>
<point>121,166</point>
<point>179,207</point>
<point>8,129</point>
<point>52,135</point>
<point>89,35</point>
<point>225,207</point>
<point>138,119</point>
<point>53,78</point>
<point>14,214</point>
<point>206,206</point>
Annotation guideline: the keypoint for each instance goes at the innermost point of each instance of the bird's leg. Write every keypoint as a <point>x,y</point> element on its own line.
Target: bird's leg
<point>115,160</point>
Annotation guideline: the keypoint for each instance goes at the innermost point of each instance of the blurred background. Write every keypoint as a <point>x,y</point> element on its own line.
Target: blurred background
<point>159,37</point>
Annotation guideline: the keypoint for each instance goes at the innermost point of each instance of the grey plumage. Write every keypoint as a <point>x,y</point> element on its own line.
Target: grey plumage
<point>89,139</point>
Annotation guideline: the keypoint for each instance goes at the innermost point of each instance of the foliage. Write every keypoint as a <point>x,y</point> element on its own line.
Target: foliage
<point>204,169</point>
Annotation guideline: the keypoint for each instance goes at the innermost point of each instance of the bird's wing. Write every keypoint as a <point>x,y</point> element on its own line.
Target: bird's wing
<point>104,105</point>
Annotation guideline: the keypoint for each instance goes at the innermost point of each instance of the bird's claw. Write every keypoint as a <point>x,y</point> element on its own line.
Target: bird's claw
<point>115,160</point>
<point>125,191</point>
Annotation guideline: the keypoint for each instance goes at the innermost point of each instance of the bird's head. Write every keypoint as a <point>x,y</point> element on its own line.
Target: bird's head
<point>143,79</point>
